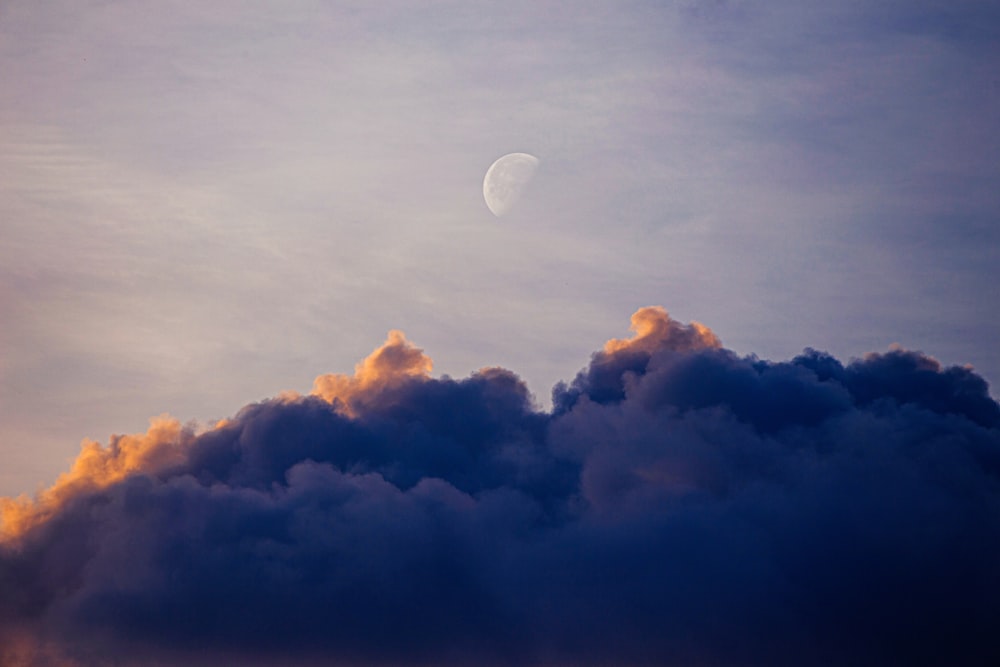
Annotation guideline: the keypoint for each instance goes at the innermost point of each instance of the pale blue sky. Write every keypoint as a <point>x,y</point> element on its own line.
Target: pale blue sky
<point>203,204</point>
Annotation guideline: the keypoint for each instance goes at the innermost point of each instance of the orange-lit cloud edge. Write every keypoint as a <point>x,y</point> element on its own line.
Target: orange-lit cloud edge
<point>397,360</point>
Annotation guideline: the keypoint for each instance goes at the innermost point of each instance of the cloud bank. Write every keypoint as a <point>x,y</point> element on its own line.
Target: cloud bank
<point>680,504</point>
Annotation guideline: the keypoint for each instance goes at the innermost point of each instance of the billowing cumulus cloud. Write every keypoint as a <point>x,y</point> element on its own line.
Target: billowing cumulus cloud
<point>389,365</point>
<point>654,330</point>
<point>96,467</point>
<point>679,505</point>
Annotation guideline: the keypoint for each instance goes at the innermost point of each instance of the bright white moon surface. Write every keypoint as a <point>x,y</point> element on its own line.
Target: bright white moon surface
<point>506,179</point>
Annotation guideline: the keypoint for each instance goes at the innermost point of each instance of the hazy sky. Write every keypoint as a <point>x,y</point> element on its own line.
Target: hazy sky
<point>204,204</point>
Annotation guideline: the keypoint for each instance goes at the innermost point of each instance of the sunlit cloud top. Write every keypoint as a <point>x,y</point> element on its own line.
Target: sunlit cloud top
<point>810,511</point>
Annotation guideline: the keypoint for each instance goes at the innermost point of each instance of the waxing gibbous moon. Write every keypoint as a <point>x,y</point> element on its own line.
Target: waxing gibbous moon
<point>505,181</point>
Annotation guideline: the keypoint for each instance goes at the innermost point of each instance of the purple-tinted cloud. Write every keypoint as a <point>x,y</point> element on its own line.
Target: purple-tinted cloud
<point>679,505</point>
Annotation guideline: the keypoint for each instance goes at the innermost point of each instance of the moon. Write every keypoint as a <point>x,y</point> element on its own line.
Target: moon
<point>505,181</point>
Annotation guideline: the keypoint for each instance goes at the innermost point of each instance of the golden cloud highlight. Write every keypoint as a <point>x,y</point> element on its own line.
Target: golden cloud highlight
<point>97,467</point>
<point>655,330</point>
<point>165,443</point>
<point>394,362</point>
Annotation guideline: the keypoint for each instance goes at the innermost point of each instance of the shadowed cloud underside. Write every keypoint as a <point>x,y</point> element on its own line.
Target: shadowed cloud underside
<point>680,504</point>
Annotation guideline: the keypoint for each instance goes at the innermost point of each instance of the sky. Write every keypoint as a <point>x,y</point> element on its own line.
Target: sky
<point>213,211</point>
<point>204,206</point>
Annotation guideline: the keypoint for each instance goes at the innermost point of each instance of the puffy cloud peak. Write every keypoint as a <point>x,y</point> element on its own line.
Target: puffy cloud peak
<point>97,467</point>
<point>908,377</point>
<point>655,335</point>
<point>655,330</point>
<point>393,363</point>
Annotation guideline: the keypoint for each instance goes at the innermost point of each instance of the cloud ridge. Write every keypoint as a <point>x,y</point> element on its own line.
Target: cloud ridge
<point>680,504</point>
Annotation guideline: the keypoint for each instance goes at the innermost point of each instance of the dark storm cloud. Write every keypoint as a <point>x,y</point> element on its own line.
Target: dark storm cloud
<point>680,505</point>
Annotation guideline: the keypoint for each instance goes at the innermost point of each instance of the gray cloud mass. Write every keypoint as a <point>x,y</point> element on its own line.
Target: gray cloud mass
<point>680,504</point>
